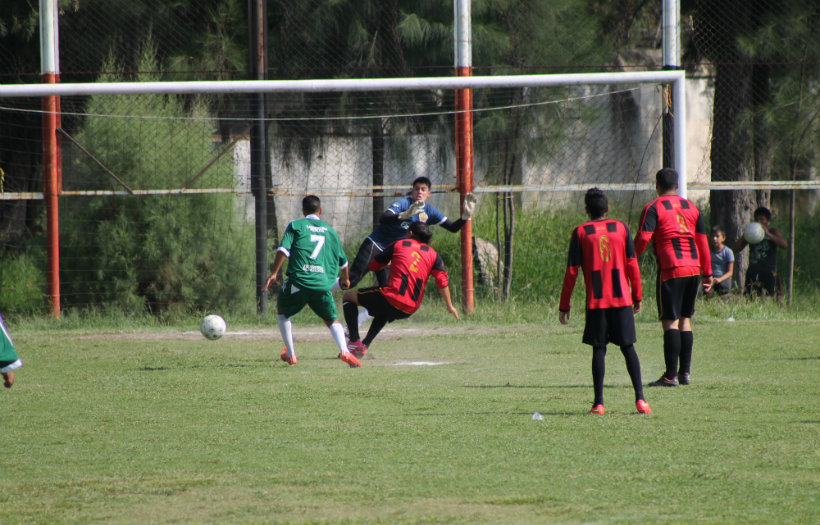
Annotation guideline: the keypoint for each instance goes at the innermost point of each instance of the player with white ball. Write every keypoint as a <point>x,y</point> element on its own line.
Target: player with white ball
<point>753,233</point>
<point>763,242</point>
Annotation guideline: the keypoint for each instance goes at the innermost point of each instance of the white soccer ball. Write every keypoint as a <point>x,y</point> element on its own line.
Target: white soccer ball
<point>753,233</point>
<point>213,327</point>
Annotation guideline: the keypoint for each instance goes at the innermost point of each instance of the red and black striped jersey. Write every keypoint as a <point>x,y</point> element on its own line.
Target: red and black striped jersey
<point>604,249</point>
<point>681,243</point>
<point>411,263</point>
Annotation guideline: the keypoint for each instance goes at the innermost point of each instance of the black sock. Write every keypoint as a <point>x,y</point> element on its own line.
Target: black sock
<point>351,311</point>
<point>633,366</point>
<point>376,326</point>
<point>598,371</point>
<point>686,343</point>
<point>671,352</point>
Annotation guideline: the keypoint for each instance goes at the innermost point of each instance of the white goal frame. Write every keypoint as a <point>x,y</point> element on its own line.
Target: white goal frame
<point>675,78</point>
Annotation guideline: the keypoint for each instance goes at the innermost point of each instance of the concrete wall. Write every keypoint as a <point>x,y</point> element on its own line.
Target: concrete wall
<point>621,144</point>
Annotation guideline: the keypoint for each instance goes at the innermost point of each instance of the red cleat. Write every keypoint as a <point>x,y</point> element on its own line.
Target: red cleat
<point>350,359</point>
<point>357,348</point>
<point>598,409</point>
<point>643,407</point>
<point>289,360</point>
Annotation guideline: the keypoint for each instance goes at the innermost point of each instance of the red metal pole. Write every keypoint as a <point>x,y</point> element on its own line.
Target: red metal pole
<point>51,191</point>
<point>464,180</point>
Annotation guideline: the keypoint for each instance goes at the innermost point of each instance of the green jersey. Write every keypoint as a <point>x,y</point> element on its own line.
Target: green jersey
<point>8,355</point>
<point>315,253</point>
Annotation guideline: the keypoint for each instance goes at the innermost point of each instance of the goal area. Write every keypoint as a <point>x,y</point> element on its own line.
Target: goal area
<point>133,153</point>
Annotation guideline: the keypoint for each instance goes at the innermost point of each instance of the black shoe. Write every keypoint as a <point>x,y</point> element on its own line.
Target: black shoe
<point>683,379</point>
<point>664,382</point>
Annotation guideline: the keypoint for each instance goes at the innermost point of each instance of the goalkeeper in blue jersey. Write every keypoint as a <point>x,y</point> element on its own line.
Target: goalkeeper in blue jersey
<point>316,257</point>
<point>394,224</point>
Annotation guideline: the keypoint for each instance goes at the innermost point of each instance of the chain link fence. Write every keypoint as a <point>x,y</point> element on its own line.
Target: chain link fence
<point>751,116</point>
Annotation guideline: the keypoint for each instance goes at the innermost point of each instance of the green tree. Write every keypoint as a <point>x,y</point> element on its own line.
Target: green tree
<point>355,39</point>
<point>765,110</point>
<point>20,134</point>
<point>161,254</point>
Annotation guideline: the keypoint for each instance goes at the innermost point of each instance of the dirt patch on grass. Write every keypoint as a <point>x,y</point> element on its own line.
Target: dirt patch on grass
<point>311,333</point>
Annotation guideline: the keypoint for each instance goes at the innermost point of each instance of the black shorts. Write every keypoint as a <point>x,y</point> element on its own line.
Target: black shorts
<point>760,282</point>
<point>610,325</point>
<point>377,304</point>
<point>676,297</point>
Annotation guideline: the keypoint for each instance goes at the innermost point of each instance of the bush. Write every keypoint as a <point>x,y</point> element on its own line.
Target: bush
<point>164,254</point>
<point>540,248</point>
<point>540,256</point>
<point>22,283</point>
<point>806,251</point>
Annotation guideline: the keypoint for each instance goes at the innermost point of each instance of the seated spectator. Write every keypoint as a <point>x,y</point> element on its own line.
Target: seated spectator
<point>723,263</point>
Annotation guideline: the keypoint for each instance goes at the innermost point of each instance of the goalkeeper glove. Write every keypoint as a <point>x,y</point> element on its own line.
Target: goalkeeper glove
<point>469,206</point>
<point>414,209</point>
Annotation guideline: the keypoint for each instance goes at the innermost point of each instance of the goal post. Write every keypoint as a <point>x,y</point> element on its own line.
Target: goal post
<point>676,78</point>
<point>353,187</point>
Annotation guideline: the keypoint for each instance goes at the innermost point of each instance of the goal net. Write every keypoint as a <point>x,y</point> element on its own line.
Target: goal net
<point>141,159</point>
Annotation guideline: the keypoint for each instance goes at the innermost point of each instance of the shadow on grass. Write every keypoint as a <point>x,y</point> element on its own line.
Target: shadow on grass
<point>194,367</point>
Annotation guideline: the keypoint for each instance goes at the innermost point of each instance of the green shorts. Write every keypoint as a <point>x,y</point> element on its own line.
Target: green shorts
<point>292,299</point>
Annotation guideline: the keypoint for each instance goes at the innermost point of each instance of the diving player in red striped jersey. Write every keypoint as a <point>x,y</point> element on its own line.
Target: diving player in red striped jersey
<point>412,260</point>
<point>603,249</point>
<point>682,253</point>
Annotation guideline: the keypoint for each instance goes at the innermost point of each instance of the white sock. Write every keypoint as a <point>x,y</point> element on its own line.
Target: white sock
<point>364,316</point>
<point>286,329</point>
<point>336,286</point>
<point>338,334</point>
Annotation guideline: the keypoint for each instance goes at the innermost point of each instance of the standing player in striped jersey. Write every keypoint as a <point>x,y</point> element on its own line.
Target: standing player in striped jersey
<point>412,260</point>
<point>682,253</point>
<point>316,257</point>
<point>603,248</point>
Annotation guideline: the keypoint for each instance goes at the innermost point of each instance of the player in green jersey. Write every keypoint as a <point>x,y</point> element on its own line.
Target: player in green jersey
<point>8,356</point>
<point>316,257</point>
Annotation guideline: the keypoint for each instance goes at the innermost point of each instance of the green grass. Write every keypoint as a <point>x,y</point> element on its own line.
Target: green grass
<point>162,426</point>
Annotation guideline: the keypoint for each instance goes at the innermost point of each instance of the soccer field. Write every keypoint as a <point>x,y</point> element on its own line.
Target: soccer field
<point>436,427</point>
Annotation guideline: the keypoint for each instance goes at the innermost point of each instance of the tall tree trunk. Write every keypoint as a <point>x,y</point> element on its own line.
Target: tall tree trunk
<point>509,235</point>
<point>718,24</point>
<point>732,156</point>
<point>508,215</point>
<point>499,263</point>
<point>389,42</point>
<point>389,62</point>
<point>512,175</point>
<point>760,100</point>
